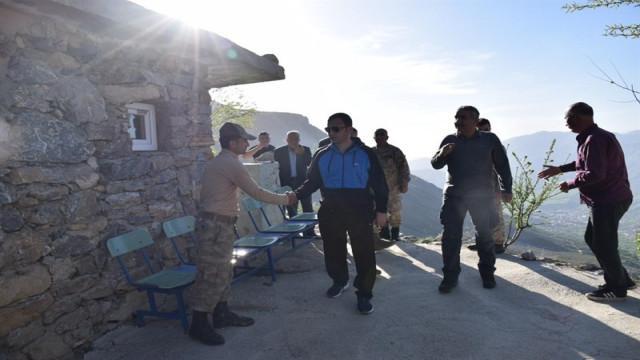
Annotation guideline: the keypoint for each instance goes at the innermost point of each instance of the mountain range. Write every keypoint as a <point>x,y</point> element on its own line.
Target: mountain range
<point>559,223</point>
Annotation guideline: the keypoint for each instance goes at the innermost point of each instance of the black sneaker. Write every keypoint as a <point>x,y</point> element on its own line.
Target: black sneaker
<point>364,305</point>
<point>488,281</point>
<point>447,285</point>
<point>607,295</point>
<point>630,285</point>
<point>472,247</point>
<point>336,289</point>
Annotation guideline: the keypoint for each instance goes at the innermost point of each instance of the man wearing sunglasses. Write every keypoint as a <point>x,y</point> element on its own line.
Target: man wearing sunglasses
<point>355,194</point>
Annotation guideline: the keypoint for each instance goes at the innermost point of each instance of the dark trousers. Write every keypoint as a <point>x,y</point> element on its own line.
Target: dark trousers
<point>452,214</point>
<point>335,223</point>
<point>307,204</point>
<point>602,237</point>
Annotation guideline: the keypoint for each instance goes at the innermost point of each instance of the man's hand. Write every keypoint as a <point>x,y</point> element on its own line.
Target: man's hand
<point>447,149</point>
<point>549,172</point>
<point>564,187</point>
<point>507,197</point>
<point>381,219</point>
<point>292,197</point>
<point>404,188</point>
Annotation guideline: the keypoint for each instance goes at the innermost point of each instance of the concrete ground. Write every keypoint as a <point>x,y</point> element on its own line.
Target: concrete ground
<point>537,311</point>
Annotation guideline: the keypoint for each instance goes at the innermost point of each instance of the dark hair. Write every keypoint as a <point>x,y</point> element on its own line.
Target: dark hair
<point>346,119</point>
<point>483,122</point>
<point>473,110</point>
<point>263,133</point>
<point>579,108</point>
<point>224,141</point>
<point>382,131</point>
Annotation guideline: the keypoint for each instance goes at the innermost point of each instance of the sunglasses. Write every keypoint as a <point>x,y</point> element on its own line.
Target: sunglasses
<point>334,128</point>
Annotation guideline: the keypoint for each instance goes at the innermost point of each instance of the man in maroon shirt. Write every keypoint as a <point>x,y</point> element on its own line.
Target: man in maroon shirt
<point>601,178</point>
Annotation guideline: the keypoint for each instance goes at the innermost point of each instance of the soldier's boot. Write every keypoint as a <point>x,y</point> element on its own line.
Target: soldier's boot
<point>222,317</point>
<point>384,232</point>
<point>395,233</point>
<point>201,330</point>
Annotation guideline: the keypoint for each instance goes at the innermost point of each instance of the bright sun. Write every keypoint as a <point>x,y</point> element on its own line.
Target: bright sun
<point>228,18</point>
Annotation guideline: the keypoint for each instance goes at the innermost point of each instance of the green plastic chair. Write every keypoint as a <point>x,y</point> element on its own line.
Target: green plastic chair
<point>166,281</point>
<point>174,229</point>
<point>303,216</point>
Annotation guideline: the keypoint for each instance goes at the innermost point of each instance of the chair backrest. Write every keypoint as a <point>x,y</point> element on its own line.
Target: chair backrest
<point>131,241</point>
<point>249,204</point>
<point>177,227</point>
<point>180,226</point>
<point>136,240</point>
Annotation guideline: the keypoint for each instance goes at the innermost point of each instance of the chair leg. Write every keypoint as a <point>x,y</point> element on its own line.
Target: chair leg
<point>272,267</point>
<point>182,311</point>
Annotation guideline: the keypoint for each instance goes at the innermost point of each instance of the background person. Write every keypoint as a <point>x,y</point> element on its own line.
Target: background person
<point>471,157</point>
<point>396,172</point>
<point>602,180</point>
<point>294,159</point>
<point>498,230</point>
<point>262,147</point>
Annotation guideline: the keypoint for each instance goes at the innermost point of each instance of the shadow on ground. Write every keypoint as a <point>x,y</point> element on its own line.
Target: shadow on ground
<point>537,311</point>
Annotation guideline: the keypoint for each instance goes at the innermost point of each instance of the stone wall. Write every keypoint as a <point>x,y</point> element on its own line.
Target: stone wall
<point>69,177</point>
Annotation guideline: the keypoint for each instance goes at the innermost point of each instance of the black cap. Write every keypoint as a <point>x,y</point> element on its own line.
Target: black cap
<point>234,130</point>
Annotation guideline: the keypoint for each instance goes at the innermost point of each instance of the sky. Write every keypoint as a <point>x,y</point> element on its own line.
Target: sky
<point>407,65</point>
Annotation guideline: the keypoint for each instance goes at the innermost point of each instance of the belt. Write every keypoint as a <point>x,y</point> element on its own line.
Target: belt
<point>219,218</point>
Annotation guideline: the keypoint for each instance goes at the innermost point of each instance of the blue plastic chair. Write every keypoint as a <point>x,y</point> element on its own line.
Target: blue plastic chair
<point>303,216</point>
<point>174,229</point>
<point>166,281</point>
<point>288,227</point>
<point>247,248</point>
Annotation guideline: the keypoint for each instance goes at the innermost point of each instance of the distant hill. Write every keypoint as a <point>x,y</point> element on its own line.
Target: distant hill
<point>534,146</point>
<point>421,208</point>
<point>561,220</point>
<point>277,124</point>
<point>421,204</point>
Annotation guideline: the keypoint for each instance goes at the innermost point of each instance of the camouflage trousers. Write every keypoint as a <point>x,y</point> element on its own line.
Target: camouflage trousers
<point>394,207</point>
<point>214,270</point>
<point>497,232</point>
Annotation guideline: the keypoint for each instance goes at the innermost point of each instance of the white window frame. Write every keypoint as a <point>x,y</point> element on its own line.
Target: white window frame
<point>150,141</point>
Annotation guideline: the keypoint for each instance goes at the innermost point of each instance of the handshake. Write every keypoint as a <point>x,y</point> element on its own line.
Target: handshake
<point>292,197</point>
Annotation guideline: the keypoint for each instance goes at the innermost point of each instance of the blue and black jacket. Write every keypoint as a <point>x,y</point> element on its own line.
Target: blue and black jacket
<point>351,180</point>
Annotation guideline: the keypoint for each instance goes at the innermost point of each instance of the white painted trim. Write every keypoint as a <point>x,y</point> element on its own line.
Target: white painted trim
<point>150,140</point>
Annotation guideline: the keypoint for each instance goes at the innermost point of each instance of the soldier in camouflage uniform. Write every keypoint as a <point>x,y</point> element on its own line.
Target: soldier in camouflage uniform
<point>498,230</point>
<point>221,179</point>
<point>396,171</point>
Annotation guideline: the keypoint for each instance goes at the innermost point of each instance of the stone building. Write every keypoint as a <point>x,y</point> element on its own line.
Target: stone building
<point>104,127</point>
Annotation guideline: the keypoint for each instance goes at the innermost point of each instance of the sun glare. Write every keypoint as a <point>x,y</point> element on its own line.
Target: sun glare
<point>228,18</point>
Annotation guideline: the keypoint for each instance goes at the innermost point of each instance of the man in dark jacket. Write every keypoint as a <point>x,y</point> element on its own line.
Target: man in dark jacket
<point>355,195</point>
<point>471,157</point>
<point>294,160</point>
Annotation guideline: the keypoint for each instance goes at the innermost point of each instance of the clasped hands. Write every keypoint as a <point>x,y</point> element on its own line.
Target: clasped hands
<point>292,197</point>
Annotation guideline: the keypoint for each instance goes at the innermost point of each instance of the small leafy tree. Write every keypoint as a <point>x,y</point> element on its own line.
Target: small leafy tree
<point>229,105</point>
<point>632,30</point>
<point>638,243</point>
<point>528,196</point>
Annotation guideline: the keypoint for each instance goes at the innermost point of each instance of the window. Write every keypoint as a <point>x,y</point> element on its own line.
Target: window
<point>142,126</point>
